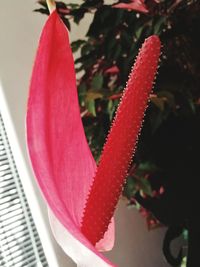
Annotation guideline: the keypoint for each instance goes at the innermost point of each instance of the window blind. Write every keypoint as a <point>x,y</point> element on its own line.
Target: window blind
<point>20,244</point>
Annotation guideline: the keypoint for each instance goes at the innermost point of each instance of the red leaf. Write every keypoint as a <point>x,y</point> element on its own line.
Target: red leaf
<point>136,5</point>
<point>112,70</point>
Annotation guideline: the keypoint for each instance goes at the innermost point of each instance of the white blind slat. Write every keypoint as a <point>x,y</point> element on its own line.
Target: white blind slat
<point>19,241</point>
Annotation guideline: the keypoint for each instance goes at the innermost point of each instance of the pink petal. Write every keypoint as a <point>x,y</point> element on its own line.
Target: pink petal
<point>122,139</point>
<point>58,149</point>
<point>134,5</point>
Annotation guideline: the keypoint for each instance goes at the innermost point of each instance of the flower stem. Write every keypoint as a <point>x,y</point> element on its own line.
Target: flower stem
<point>51,5</point>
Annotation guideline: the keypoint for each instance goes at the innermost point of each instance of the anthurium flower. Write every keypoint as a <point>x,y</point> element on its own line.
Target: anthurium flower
<point>81,197</point>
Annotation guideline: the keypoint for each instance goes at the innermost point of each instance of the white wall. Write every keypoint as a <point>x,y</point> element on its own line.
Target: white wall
<point>19,32</point>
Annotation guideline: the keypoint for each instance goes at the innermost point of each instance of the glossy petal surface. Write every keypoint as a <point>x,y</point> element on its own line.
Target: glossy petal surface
<point>58,149</point>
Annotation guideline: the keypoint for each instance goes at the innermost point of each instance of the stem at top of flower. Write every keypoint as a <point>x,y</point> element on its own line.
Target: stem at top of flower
<point>51,5</point>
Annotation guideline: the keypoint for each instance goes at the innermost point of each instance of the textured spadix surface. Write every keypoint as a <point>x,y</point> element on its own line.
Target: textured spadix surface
<point>121,142</point>
<point>60,156</point>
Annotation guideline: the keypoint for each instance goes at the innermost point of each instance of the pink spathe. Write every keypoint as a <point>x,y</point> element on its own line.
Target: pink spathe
<point>61,159</point>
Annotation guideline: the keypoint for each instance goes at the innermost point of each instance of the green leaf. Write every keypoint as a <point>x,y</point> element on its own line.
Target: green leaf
<point>158,102</point>
<point>145,186</point>
<point>77,44</point>
<point>42,10</point>
<point>184,262</point>
<point>117,51</point>
<point>147,167</point>
<point>156,121</point>
<point>192,105</point>
<point>78,14</point>
<point>81,93</point>
<point>130,187</point>
<point>139,31</point>
<point>86,49</point>
<point>134,184</point>
<point>97,82</point>
<point>91,107</point>
<point>158,27</point>
<point>66,22</point>
<point>110,109</point>
<point>185,234</point>
<point>92,95</point>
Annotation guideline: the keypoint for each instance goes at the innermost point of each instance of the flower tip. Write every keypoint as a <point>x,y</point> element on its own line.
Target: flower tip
<point>154,38</point>
<point>154,41</point>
